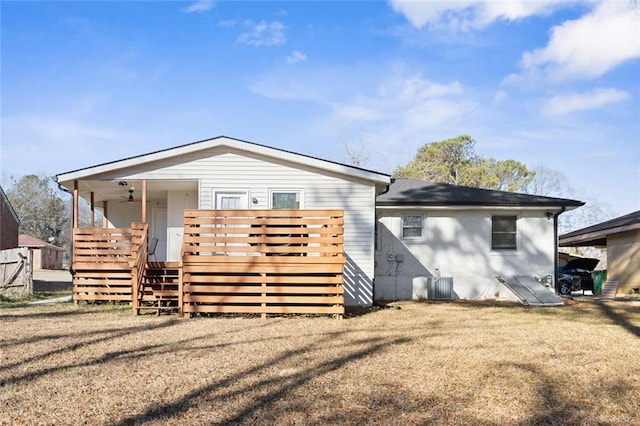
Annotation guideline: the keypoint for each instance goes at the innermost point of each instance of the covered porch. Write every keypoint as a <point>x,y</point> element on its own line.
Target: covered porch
<point>229,261</point>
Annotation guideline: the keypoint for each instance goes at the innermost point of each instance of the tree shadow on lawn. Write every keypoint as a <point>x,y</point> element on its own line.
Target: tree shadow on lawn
<point>125,354</point>
<point>269,389</point>
<point>620,318</point>
<point>553,406</point>
<point>103,336</point>
<point>618,312</point>
<point>38,314</point>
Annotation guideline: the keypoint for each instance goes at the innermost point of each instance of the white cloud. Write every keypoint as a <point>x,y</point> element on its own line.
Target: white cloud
<point>500,96</point>
<point>463,15</point>
<point>296,56</point>
<point>287,87</point>
<point>263,34</point>
<point>570,102</point>
<point>412,103</point>
<point>56,143</point>
<point>587,47</point>
<point>417,88</point>
<point>62,129</point>
<point>200,6</point>
<point>359,113</point>
<point>229,23</point>
<point>401,109</point>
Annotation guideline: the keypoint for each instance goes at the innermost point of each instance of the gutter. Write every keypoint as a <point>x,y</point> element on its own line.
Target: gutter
<point>62,188</point>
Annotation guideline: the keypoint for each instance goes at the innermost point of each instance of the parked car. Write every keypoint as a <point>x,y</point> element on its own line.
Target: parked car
<point>575,273</point>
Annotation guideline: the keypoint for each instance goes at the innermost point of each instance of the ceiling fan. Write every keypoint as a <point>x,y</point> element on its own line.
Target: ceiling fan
<point>131,198</point>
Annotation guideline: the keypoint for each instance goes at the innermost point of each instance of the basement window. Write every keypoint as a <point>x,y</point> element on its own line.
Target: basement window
<point>412,227</point>
<point>504,232</point>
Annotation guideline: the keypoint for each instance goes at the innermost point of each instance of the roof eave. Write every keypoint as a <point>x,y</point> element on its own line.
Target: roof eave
<point>580,236</point>
<point>68,177</point>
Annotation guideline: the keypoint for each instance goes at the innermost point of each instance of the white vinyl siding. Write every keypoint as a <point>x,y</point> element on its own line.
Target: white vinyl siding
<point>223,168</point>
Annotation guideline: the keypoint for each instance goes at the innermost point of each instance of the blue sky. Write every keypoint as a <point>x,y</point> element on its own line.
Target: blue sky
<point>548,83</point>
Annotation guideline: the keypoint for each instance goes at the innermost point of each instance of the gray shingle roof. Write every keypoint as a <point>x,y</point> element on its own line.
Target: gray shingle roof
<point>420,193</point>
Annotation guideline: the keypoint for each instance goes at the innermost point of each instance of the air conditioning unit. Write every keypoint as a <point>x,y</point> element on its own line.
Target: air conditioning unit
<point>440,288</point>
<point>433,288</point>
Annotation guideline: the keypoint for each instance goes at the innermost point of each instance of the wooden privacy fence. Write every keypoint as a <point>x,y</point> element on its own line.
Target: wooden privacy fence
<point>108,263</point>
<point>263,261</point>
<point>16,272</point>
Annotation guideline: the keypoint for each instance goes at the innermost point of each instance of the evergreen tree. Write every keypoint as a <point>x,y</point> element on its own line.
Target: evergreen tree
<point>455,161</point>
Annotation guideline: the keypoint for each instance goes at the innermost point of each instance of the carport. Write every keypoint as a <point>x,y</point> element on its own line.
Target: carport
<point>621,239</point>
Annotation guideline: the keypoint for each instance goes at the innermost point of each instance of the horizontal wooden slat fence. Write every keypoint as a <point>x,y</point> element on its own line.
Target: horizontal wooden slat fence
<point>108,263</point>
<point>263,261</point>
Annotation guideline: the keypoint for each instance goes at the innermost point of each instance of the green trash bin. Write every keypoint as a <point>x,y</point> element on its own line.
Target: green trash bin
<point>599,277</point>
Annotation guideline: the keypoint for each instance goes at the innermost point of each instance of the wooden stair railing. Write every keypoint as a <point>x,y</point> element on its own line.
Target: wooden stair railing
<point>160,291</point>
<point>138,263</point>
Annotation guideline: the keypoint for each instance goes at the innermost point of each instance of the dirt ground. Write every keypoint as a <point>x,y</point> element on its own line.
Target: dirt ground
<point>47,280</point>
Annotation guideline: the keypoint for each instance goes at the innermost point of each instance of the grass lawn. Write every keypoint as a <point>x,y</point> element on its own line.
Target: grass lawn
<point>424,363</point>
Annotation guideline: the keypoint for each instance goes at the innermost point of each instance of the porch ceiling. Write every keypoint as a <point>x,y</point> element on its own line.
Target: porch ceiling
<point>113,190</point>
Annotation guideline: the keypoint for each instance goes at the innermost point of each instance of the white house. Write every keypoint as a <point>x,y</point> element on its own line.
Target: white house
<point>411,236</point>
<point>476,241</point>
<point>226,173</point>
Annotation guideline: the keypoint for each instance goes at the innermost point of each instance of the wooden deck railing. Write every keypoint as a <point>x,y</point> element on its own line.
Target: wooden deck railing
<point>245,261</point>
<point>107,263</point>
<point>263,261</point>
<point>140,250</point>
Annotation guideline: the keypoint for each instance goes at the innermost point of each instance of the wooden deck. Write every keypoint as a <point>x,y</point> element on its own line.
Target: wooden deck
<point>233,261</point>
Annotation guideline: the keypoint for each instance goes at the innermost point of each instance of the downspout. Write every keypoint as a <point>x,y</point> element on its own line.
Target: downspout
<point>556,247</point>
<point>63,189</point>
<point>376,226</point>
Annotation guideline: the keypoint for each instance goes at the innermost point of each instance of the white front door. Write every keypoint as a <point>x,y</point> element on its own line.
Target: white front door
<point>232,200</point>
<point>177,202</point>
<point>159,230</point>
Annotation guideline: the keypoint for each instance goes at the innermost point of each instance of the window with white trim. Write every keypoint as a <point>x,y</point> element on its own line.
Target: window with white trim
<point>504,232</point>
<point>412,225</point>
<point>285,199</point>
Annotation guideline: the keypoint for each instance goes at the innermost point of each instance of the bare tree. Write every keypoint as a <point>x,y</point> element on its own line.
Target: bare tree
<point>358,153</point>
<point>39,206</point>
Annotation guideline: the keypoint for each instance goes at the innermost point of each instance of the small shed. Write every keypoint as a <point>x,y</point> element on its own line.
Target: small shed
<point>44,255</point>
<point>621,238</point>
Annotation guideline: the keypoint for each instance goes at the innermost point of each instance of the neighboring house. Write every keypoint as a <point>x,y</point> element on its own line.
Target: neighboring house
<point>621,238</point>
<point>9,223</point>
<point>43,254</point>
<point>474,239</point>
<point>226,173</point>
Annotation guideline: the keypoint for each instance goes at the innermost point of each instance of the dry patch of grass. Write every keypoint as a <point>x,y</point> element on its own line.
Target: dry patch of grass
<point>433,363</point>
